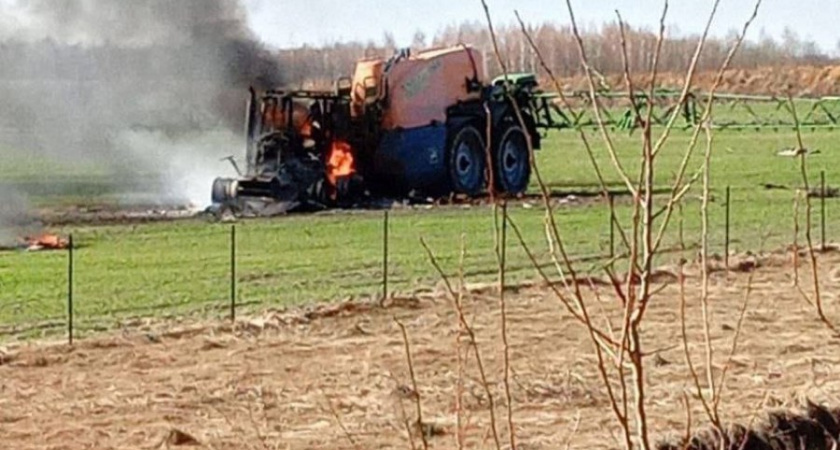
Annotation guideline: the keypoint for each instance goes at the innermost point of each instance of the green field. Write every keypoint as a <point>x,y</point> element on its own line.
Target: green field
<point>175,268</point>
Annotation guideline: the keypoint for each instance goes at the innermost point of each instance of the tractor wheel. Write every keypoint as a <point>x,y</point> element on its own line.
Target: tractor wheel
<point>221,191</point>
<point>512,160</point>
<point>467,163</point>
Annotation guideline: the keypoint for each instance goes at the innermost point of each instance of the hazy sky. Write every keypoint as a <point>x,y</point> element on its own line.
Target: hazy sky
<point>287,23</point>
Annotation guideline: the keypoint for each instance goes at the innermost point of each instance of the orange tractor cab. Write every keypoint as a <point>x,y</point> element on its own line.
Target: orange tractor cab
<point>412,123</point>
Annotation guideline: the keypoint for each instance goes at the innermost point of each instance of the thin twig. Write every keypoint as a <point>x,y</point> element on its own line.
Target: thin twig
<point>735,338</point>
<point>573,432</point>
<point>687,407</point>
<point>491,174</point>
<point>341,423</point>
<point>420,424</point>
<point>502,252</point>
<point>581,133</point>
<point>597,336</point>
<point>405,421</point>
<point>803,167</point>
<point>689,80</point>
<point>473,343</point>
<point>459,395</point>
<point>795,250</point>
<point>629,293</point>
<point>604,338</point>
<point>704,261</point>
<point>677,191</point>
<point>686,352</point>
<point>596,105</point>
<point>546,199</point>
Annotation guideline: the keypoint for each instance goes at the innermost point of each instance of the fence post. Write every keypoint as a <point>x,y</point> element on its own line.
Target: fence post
<point>822,210</point>
<point>681,226</point>
<point>503,256</point>
<point>233,273</point>
<point>70,290</point>
<point>726,244</point>
<point>385,251</point>
<point>612,224</point>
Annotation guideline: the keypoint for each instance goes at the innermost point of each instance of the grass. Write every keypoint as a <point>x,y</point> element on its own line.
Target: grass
<point>181,267</point>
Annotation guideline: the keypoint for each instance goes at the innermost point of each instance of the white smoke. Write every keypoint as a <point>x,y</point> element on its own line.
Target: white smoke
<point>14,219</point>
<point>181,164</point>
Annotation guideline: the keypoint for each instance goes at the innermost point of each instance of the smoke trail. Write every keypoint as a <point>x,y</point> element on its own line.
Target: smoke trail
<point>129,85</point>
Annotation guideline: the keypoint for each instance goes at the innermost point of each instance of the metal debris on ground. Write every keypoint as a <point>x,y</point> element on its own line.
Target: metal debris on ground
<point>830,192</point>
<point>569,200</point>
<point>793,152</point>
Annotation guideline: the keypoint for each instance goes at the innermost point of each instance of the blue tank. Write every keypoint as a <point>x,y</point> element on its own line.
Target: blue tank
<point>413,159</point>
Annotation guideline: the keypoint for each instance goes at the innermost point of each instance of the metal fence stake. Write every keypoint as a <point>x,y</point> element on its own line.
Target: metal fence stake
<point>822,210</point>
<point>612,224</point>
<point>233,273</point>
<point>385,251</point>
<point>70,291</point>
<point>728,209</point>
<point>503,251</point>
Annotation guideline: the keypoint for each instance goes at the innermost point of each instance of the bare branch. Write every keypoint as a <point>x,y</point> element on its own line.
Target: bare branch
<point>596,105</point>
<point>704,261</point>
<point>473,343</point>
<point>341,423</point>
<point>677,190</point>
<point>803,168</point>
<point>735,338</point>
<point>687,353</point>
<point>689,79</point>
<point>502,252</point>
<point>581,133</point>
<point>459,395</point>
<point>596,336</point>
<point>655,67</point>
<point>687,406</point>
<point>605,340</point>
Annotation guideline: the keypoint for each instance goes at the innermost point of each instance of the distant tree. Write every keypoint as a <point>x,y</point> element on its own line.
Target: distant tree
<point>388,42</point>
<point>419,40</point>
<point>556,43</point>
<point>791,43</point>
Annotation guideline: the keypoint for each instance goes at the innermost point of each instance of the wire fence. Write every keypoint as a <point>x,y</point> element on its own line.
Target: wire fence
<point>107,281</point>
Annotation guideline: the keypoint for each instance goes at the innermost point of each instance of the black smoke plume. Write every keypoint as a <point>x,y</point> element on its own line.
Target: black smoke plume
<point>152,90</point>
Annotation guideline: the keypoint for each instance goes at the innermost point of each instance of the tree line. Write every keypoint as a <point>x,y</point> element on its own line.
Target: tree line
<point>310,65</point>
<point>320,66</point>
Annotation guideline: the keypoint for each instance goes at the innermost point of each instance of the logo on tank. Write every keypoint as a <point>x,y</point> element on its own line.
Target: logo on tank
<point>420,81</point>
<point>434,158</point>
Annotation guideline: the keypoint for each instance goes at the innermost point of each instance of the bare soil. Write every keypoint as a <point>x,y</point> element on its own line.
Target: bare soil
<point>336,376</point>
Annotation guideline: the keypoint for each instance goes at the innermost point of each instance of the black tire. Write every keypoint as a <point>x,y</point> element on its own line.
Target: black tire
<point>512,160</point>
<point>467,161</point>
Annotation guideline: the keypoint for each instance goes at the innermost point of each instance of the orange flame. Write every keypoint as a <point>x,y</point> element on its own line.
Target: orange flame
<point>341,162</point>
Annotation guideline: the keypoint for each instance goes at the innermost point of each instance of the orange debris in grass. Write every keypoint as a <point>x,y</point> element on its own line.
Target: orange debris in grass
<point>46,242</point>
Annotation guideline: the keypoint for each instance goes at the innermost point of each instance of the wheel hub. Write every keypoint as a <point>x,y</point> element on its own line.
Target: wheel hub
<point>463,162</point>
<point>510,159</point>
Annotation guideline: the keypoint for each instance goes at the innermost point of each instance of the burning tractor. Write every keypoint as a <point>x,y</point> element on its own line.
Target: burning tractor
<point>410,124</point>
